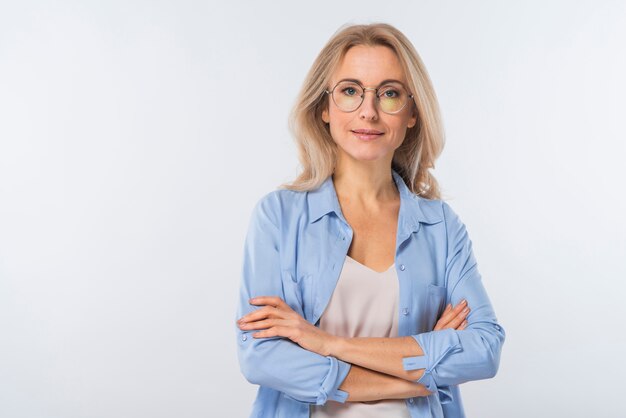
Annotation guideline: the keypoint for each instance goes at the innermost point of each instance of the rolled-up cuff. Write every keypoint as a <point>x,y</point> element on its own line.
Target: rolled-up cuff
<point>330,386</point>
<point>435,348</point>
<point>444,392</point>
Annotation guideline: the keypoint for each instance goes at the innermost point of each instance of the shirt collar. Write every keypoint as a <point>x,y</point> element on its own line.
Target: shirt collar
<point>323,200</point>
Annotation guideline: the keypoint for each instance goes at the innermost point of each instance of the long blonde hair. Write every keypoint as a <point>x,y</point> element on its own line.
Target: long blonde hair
<point>317,151</point>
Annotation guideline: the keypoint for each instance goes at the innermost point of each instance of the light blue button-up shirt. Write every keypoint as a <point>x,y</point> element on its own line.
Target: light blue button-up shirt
<point>295,248</point>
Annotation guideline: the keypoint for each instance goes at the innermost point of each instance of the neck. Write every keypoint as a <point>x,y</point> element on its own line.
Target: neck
<point>364,182</point>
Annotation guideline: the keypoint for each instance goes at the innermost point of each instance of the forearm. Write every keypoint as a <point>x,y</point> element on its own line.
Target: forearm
<point>383,355</point>
<point>368,385</point>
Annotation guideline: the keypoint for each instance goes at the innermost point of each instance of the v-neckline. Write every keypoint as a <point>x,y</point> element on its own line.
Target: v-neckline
<point>369,268</point>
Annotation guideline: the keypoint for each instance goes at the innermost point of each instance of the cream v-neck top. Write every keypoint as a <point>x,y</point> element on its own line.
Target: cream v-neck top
<point>363,304</point>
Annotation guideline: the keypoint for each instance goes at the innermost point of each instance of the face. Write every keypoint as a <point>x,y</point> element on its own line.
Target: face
<point>370,65</point>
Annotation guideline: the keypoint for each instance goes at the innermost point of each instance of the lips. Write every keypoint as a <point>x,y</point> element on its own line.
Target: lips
<point>367,134</point>
<point>367,131</point>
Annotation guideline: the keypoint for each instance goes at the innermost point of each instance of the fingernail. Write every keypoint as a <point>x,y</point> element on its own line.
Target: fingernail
<point>464,301</point>
<point>466,310</point>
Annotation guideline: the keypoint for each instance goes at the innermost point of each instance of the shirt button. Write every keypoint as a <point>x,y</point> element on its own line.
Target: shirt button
<point>244,337</point>
<point>402,267</point>
<point>410,400</point>
<point>405,311</point>
<point>498,327</point>
<point>343,238</point>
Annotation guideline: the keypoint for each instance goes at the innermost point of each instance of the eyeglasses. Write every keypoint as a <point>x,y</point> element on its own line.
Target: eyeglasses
<point>348,96</point>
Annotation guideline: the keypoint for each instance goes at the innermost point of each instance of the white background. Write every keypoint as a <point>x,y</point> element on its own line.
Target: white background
<point>136,136</point>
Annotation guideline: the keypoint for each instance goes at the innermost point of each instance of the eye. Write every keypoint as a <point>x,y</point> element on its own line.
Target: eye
<point>390,93</point>
<point>349,91</point>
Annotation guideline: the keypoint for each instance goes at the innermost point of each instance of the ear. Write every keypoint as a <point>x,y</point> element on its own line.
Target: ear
<point>413,119</point>
<point>325,117</point>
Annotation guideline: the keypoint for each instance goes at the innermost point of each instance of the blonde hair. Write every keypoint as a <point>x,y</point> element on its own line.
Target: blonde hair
<point>317,151</point>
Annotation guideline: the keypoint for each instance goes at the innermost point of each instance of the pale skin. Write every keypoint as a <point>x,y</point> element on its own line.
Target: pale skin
<point>380,374</point>
<point>370,203</point>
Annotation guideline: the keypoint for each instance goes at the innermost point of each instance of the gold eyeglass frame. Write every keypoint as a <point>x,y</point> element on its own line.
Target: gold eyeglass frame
<point>331,92</point>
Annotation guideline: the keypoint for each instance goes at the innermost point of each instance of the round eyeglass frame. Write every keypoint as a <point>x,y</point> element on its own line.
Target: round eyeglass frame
<point>331,92</point>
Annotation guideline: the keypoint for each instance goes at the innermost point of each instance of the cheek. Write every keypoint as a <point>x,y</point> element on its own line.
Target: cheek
<point>337,134</point>
<point>398,136</point>
<point>339,123</point>
<point>339,118</point>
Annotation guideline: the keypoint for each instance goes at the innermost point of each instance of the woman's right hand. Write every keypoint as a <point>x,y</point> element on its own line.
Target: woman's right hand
<point>453,317</point>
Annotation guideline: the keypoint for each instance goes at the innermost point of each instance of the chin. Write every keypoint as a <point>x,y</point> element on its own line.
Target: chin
<point>363,151</point>
<point>366,156</point>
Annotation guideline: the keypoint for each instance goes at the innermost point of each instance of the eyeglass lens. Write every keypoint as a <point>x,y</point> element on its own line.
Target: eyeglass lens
<point>348,96</point>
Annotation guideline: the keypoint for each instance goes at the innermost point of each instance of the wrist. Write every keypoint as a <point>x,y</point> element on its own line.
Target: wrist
<point>335,348</point>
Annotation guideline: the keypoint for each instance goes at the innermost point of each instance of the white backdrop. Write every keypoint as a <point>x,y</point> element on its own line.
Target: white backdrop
<point>136,136</point>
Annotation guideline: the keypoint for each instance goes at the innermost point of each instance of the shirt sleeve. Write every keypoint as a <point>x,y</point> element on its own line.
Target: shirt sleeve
<point>278,362</point>
<point>453,357</point>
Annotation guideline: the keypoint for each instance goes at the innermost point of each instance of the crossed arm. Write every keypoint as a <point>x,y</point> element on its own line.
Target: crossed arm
<point>307,372</point>
<point>376,371</point>
<point>364,385</point>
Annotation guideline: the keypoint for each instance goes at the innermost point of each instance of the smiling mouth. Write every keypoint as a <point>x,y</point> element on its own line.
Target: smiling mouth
<point>366,136</point>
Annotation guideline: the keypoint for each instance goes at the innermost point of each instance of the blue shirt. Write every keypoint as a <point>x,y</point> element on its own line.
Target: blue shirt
<point>295,247</point>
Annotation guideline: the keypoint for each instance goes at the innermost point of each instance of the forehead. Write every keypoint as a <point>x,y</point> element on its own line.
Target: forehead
<point>370,65</point>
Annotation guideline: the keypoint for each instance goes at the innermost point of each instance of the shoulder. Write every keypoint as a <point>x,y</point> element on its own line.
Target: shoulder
<point>436,208</point>
<point>278,205</point>
<point>281,200</point>
<point>439,211</point>
<point>432,209</point>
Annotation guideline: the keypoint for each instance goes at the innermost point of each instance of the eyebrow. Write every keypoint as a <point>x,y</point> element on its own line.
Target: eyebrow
<point>389,80</point>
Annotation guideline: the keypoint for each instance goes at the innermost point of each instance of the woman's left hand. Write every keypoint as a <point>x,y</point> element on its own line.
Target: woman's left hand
<point>278,319</point>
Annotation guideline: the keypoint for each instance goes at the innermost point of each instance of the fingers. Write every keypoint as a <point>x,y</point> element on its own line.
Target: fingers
<point>273,332</point>
<point>458,320</point>
<point>448,315</point>
<point>261,313</point>
<point>453,318</point>
<point>269,300</point>
<point>268,323</point>
<point>442,321</point>
<point>273,308</point>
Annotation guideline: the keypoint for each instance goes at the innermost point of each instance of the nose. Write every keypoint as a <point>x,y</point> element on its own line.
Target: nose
<point>368,109</point>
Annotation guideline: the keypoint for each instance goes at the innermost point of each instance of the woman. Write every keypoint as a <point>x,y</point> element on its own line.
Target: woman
<point>357,278</point>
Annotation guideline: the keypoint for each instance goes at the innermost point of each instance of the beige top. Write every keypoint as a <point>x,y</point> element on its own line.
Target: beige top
<point>363,304</point>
